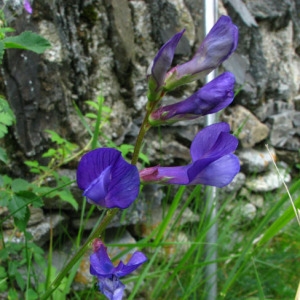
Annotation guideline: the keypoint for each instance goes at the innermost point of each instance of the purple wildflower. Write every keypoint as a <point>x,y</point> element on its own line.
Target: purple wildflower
<point>107,179</point>
<point>214,96</point>
<point>108,275</point>
<point>27,6</point>
<point>217,46</point>
<point>160,66</point>
<point>212,161</point>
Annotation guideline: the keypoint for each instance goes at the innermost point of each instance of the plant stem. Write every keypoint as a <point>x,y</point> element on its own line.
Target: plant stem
<point>96,233</point>
<point>109,215</point>
<point>144,128</point>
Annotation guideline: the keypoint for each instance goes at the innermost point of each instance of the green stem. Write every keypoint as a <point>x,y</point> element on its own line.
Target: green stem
<point>144,128</point>
<point>109,215</point>
<point>55,284</point>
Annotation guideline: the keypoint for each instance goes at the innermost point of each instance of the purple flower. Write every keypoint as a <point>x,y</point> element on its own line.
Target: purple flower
<point>160,66</point>
<point>108,275</point>
<point>107,179</point>
<point>212,161</point>
<point>27,6</point>
<point>214,96</point>
<point>217,46</point>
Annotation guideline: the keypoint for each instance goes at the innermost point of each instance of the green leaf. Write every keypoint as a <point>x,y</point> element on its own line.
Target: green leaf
<point>6,29</point>
<point>20,281</point>
<point>17,206</point>
<point>12,294</point>
<point>55,137</point>
<point>2,272</point>
<point>91,115</point>
<point>7,116</point>
<point>67,196</point>
<point>31,294</point>
<point>22,223</point>
<point>3,155</point>
<point>31,163</point>
<point>92,104</point>
<point>31,198</point>
<point>4,198</point>
<point>4,253</point>
<point>19,184</point>
<point>3,130</point>
<point>3,279</point>
<point>27,40</point>
<point>51,152</point>
<point>7,180</point>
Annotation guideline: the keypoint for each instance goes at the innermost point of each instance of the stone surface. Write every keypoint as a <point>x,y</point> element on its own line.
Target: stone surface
<point>40,232</point>
<point>249,211</point>
<point>236,184</point>
<point>268,181</point>
<point>256,161</point>
<point>36,216</point>
<point>252,131</point>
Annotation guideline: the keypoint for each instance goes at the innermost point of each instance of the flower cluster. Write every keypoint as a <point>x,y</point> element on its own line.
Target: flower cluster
<point>111,182</point>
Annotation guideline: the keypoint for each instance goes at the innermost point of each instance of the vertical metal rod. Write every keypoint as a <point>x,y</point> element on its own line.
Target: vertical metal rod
<point>210,18</point>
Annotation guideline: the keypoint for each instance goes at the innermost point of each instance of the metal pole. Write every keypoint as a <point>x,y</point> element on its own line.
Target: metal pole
<point>210,18</point>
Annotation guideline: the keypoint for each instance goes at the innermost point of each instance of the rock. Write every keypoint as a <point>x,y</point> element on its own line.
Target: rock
<point>272,107</point>
<point>296,101</point>
<point>40,232</point>
<point>119,17</point>
<point>278,13</point>
<point>236,184</point>
<point>285,130</point>
<point>239,66</point>
<point>255,161</point>
<point>36,216</point>
<point>239,7</point>
<point>252,131</point>
<point>157,216</point>
<point>267,182</point>
<point>249,211</point>
<point>257,200</point>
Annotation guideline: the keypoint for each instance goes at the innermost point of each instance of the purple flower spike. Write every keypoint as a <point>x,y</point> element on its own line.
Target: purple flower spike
<point>108,275</point>
<point>107,179</point>
<point>27,6</point>
<point>212,161</point>
<point>217,46</point>
<point>160,65</point>
<point>214,96</point>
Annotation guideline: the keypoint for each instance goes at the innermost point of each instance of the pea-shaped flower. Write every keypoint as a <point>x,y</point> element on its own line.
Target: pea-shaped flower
<point>108,275</point>
<point>213,162</point>
<point>107,179</point>
<point>212,97</point>
<point>217,46</point>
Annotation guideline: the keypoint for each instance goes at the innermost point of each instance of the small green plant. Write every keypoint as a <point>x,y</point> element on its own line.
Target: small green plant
<point>7,118</point>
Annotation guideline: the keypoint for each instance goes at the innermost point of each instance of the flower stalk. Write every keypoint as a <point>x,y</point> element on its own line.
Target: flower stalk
<point>108,217</point>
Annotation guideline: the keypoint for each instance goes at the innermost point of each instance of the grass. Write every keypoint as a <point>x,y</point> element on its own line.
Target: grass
<point>257,259</point>
<point>247,269</point>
